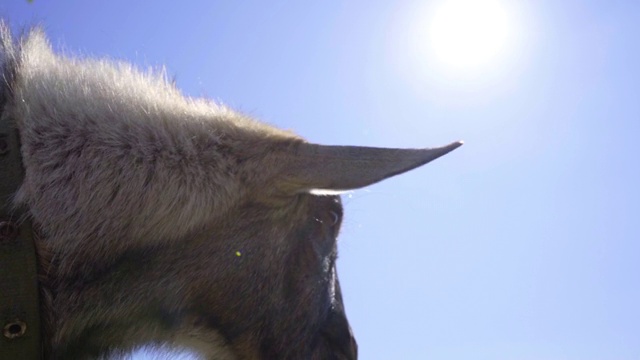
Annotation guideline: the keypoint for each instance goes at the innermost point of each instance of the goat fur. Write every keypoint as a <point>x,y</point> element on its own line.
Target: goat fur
<point>164,219</point>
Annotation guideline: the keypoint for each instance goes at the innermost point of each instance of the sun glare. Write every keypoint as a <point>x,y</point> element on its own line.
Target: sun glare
<point>466,34</point>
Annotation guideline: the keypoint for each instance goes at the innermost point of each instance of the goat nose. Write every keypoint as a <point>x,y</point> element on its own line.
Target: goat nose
<point>338,332</point>
<point>352,350</point>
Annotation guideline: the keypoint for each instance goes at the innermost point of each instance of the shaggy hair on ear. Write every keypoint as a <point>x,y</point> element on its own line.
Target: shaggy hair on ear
<point>100,137</point>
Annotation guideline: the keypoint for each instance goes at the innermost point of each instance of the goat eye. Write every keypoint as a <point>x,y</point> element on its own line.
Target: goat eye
<point>334,217</point>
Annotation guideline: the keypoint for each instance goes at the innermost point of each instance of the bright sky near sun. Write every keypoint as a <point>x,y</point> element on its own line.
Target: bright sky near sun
<point>522,244</point>
<point>468,33</point>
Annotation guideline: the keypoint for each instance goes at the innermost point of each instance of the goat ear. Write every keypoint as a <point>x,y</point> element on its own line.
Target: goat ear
<point>331,169</point>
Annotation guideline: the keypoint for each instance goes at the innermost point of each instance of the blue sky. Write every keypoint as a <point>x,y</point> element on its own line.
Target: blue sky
<point>522,244</point>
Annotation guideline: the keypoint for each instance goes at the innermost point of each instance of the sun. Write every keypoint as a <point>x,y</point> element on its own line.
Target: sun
<point>467,34</point>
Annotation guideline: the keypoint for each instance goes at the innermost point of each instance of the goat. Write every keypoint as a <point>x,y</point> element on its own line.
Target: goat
<point>164,219</point>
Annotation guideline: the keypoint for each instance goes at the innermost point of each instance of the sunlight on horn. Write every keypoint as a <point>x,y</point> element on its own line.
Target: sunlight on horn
<point>466,34</point>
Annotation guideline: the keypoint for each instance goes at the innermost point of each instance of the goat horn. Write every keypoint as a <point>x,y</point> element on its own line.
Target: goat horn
<point>339,168</point>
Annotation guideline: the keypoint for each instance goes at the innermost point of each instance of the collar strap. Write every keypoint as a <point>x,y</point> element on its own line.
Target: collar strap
<point>19,295</point>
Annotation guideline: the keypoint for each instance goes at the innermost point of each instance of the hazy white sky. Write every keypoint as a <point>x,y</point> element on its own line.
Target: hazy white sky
<point>524,243</point>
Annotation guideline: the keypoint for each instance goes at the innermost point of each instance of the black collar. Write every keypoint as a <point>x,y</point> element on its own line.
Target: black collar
<point>19,293</point>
